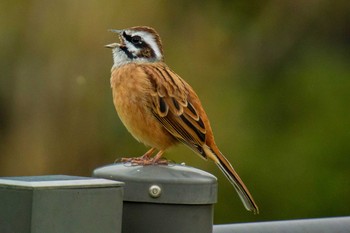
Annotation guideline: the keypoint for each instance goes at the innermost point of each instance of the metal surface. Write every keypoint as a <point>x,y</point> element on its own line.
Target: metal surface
<point>45,204</point>
<point>175,180</point>
<point>167,218</point>
<point>164,198</point>
<point>320,225</point>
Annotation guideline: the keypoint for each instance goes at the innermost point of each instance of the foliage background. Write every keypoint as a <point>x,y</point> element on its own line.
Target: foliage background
<point>274,77</point>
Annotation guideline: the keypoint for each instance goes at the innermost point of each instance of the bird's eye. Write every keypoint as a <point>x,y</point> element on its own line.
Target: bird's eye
<point>136,40</point>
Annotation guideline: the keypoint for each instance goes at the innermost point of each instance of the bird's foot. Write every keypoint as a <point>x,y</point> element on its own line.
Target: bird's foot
<point>144,161</point>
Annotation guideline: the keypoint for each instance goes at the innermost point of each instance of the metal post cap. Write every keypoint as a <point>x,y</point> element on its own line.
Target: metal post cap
<point>162,183</point>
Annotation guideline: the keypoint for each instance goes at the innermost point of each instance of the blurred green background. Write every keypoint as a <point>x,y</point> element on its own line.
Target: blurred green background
<point>274,77</point>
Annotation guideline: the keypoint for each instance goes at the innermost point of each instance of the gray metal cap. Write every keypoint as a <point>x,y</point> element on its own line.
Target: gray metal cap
<point>55,181</point>
<point>173,183</point>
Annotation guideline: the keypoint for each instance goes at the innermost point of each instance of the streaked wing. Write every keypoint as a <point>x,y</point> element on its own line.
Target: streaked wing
<point>173,104</point>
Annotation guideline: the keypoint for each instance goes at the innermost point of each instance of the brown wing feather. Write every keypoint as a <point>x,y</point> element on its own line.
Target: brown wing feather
<point>173,105</point>
<point>178,108</point>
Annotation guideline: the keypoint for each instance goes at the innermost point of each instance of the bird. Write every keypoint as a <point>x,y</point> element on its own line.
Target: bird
<point>159,108</point>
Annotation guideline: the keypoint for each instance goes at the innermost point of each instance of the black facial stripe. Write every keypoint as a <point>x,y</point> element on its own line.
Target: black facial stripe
<point>129,38</point>
<point>127,52</point>
<point>145,49</point>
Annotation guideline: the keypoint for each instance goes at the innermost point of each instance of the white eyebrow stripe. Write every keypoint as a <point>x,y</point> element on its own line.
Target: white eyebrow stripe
<point>150,40</point>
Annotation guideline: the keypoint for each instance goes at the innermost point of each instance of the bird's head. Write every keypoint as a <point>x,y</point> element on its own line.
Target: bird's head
<point>137,44</point>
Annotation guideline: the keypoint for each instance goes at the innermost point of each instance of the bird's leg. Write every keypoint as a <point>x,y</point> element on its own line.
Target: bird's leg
<point>140,160</point>
<point>147,155</point>
<point>157,159</point>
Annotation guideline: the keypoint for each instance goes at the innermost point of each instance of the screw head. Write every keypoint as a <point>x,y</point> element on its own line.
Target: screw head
<point>155,191</point>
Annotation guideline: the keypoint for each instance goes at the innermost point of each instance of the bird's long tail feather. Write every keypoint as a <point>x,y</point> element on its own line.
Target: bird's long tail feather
<point>226,167</point>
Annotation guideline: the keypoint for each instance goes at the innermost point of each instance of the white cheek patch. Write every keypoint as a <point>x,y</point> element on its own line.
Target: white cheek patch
<point>132,49</point>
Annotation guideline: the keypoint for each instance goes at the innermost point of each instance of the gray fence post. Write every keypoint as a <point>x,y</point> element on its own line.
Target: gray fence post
<point>58,203</point>
<point>164,198</point>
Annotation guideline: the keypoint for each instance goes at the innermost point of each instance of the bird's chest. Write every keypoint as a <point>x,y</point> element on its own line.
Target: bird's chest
<point>131,98</point>
<point>130,89</point>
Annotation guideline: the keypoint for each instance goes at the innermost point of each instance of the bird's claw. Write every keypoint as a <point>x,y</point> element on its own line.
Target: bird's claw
<point>144,161</point>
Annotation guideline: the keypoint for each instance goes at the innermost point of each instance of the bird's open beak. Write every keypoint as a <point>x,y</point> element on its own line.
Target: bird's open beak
<point>114,45</point>
<point>116,31</point>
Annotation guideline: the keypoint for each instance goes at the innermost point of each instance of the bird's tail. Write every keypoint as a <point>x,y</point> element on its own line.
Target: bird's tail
<point>226,167</point>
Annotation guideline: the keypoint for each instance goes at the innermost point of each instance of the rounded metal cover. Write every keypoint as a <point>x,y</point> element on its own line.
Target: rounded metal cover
<point>173,183</point>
